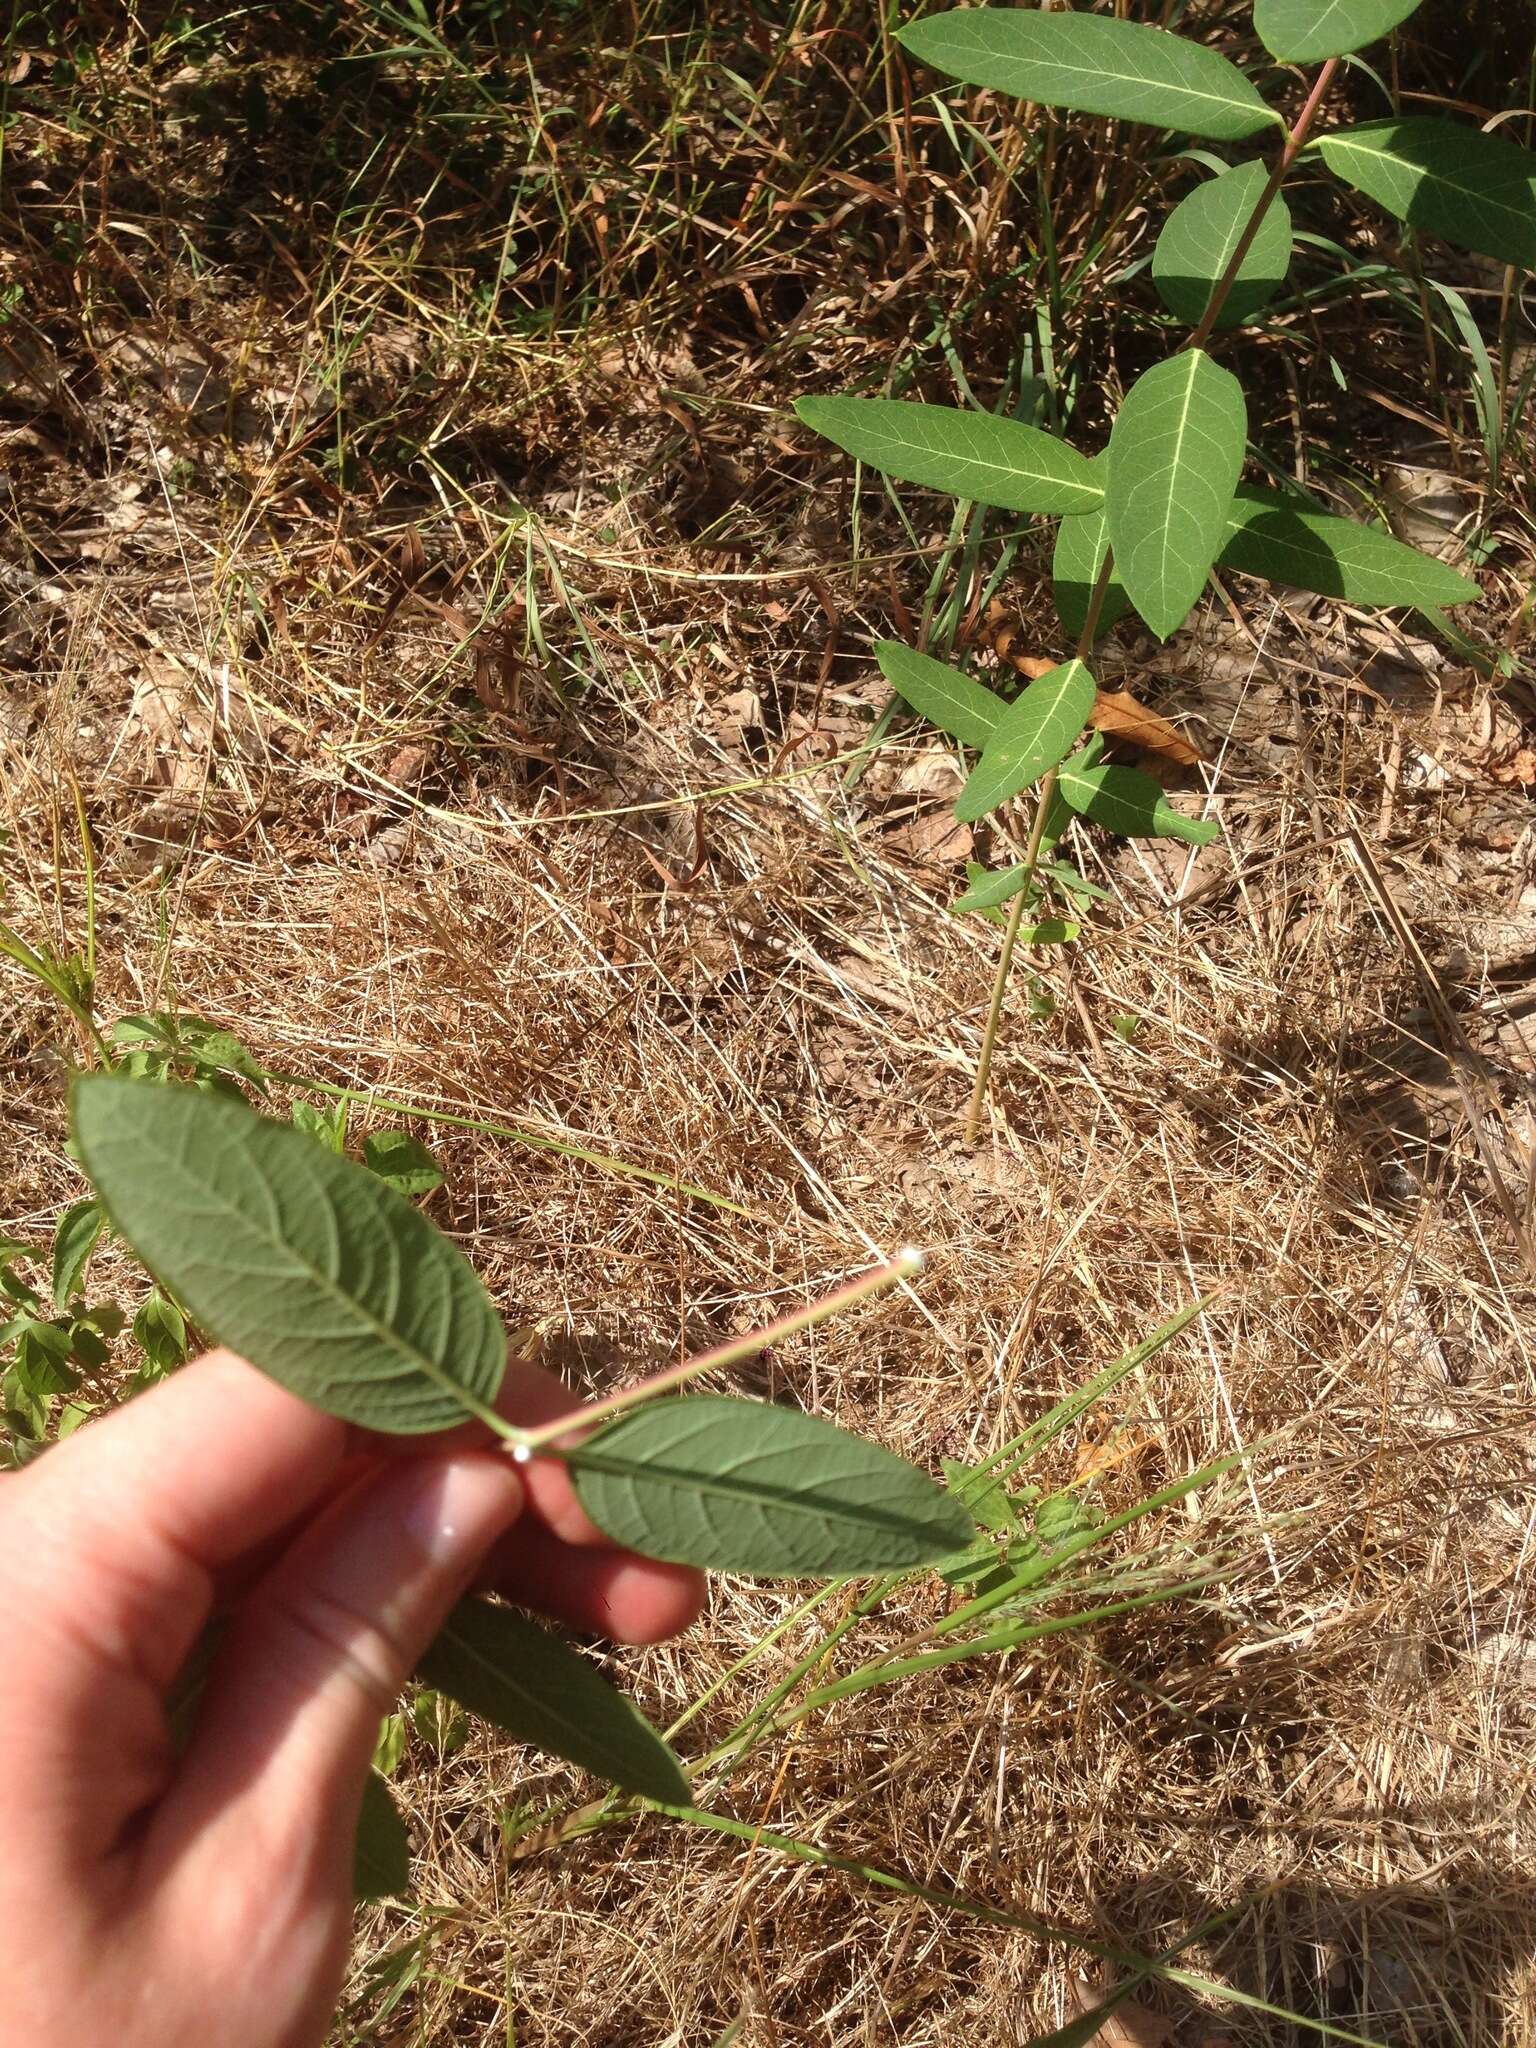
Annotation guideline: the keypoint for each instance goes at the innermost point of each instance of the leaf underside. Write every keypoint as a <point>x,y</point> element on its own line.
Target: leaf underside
<point>533,1685</point>
<point>302,1261</point>
<point>745,1486</point>
<point>1475,190</point>
<point>1201,237</point>
<point>1175,452</point>
<point>977,456</point>
<point>1092,65</point>
<point>1035,732</point>
<point>1306,31</point>
<point>955,703</point>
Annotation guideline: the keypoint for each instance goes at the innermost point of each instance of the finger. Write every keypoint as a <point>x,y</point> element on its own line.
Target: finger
<point>318,1655</point>
<point>602,1592</point>
<point>107,1550</point>
<point>530,1396</point>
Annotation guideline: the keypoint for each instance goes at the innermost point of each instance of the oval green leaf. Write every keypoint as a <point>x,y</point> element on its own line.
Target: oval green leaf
<point>1124,800</point>
<point>381,1852</point>
<point>1075,564</point>
<point>301,1261</point>
<point>1306,31</point>
<point>971,455</point>
<point>955,703</point>
<point>1092,65</point>
<point>532,1684</point>
<point>991,886</point>
<point>1035,732</point>
<point>1200,238</point>
<point>746,1487</point>
<point>1476,190</point>
<point>1285,541</point>
<point>402,1161</point>
<point>1175,452</point>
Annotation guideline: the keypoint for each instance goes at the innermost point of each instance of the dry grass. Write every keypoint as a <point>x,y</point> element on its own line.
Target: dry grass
<point>460,653</point>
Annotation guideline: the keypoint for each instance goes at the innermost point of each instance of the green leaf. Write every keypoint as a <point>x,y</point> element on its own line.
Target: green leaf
<point>1286,541</point>
<point>326,1125</point>
<point>1124,800</point>
<point>972,455</point>
<point>42,1359</point>
<point>1035,732</point>
<point>160,1331</point>
<point>537,1688</point>
<point>991,886</point>
<point>1094,66</point>
<point>1305,31</point>
<point>744,1486</point>
<point>302,1262</point>
<point>1200,238</point>
<point>1075,566</point>
<point>402,1161</point>
<point>73,1242</point>
<point>381,1855</point>
<point>1175,452</point>
<point>955,703</point>
<point>1476,190</point>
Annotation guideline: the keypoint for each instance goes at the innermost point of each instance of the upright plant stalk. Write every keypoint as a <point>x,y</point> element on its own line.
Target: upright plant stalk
<point>1294,143</point>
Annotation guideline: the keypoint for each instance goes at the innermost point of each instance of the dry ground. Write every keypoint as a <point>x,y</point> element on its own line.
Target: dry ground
<point>459,651</point>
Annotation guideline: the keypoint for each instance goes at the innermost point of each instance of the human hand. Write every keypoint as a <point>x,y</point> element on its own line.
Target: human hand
<point>153,1900</point>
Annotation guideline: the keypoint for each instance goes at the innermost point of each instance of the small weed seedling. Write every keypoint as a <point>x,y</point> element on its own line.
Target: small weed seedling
<point>1144,523</point>
<point>323,1274</point>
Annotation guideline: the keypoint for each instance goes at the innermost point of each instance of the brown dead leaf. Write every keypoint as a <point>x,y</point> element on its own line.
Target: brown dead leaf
<point>1130,2025</point>
<point>1518,771</point>
<point>932,836</point>
<point>1120,716</point>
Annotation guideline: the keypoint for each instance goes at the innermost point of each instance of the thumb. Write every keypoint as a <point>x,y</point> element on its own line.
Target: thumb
<point>318,1654</point>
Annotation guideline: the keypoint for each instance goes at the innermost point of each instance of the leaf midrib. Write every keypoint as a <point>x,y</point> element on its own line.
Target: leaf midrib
<point>392,1341</point>
<point>583,1459</point>
<point>1132,77</point>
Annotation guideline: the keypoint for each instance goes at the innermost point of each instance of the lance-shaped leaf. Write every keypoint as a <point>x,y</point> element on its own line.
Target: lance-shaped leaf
<point>301,1261</point>
<point>743,1486</point>
<point>1284,540</point>
<point>1034,733</point>
<point>1175,452</point>
<point>1200,239</point>
<point>403,1161</point>
<point>73,1242</point>
<point>1476,190</point>
<point>973,455</point>
<point>1093,65</point>
<point>1075,564</point>
<point>1306,31</point>
<point>537,1688</point>
<point>955,703</point>
<point>381,1853</point>
<point>1124,800</point>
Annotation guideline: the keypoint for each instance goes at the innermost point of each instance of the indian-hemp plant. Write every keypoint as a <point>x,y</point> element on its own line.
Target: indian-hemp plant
<point>1145,522</point>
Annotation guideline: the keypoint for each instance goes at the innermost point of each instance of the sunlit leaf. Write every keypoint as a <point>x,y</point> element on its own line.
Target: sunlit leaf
<point>1075,564</point>
<point>73,1242</point>
<point>160,1331</point>
<point>1124,800</point>
<point>1200,238</point>
<point>973,455</point>
<point>1476,190</point>
<point>535,1687</point>
<point>1034,733</point>
<point>1305,31</point>
<point>1093,65</point>
<point>402,1161</point>
<point>1286,541</point>
<point>955,703</point>
<point>1175,453</point>
<point>302,1262</point>
<point>745,1486</point>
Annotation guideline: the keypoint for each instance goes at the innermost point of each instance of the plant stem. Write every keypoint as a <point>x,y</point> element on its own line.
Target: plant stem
<point>1201,335</point>
<point>1293,146</point>
<point>526,1441</point>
